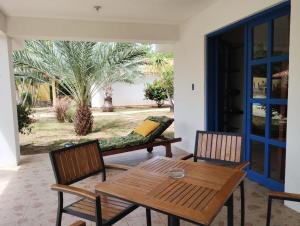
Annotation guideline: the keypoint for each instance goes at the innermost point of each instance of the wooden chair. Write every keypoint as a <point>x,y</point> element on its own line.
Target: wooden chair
<point>224,149</point>
<point>280,196</point>
<point>75,163</point>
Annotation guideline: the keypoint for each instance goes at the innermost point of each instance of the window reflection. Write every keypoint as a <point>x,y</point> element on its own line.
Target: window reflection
<point>258,119</point>
<point>260,36</point>
<point>281,35</point>
<point>278,122</point>
<point>257,156</point>
<point>259,81</point>
<point>280,78</point>
<point>277,163</point>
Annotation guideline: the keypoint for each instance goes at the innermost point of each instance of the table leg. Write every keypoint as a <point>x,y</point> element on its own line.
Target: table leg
<point>173,220</point>
<point>230,211</point>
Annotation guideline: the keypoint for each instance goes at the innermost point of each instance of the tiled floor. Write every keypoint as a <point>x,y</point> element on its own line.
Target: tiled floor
<point>25,197</point>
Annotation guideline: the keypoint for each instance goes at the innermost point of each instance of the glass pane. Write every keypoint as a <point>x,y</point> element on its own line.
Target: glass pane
<point>280,79</point>
<point>260,37</point>
<point>278,122</point>
<point>281,35</point>
<point>277,163</point>
<point>257,156</point>
<point>258,119</point>
<point>259,81</point>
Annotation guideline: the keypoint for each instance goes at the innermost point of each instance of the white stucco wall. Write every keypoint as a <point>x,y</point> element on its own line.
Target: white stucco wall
<point>127,94</point>
<point>190,68</point>
<point>293,131</point>
<point>9,137</point>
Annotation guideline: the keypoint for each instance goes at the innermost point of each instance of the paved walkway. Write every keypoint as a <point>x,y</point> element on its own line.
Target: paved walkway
<point>25,197</point>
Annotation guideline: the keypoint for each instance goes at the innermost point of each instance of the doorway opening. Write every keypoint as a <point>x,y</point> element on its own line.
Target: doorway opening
<point>231,81</point>
<point>247,89</point>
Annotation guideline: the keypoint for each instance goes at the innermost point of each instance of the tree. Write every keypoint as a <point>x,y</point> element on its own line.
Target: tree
<point>120,62</point>
<point>162,64</point>
<point>80,68</point>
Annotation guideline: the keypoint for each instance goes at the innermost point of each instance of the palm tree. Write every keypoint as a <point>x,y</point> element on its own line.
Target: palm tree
<point>80,68</point>
<point>118,62</point>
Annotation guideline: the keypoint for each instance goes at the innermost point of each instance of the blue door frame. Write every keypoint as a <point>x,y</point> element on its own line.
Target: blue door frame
<point>212,87</point>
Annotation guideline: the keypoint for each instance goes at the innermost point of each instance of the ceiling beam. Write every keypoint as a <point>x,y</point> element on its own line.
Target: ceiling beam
<point>80,30</point>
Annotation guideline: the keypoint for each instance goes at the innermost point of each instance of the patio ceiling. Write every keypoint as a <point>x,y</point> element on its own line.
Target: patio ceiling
<point>141,11</point>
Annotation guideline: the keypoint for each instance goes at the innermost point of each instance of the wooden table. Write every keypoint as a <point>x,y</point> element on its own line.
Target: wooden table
<point>197,198</point>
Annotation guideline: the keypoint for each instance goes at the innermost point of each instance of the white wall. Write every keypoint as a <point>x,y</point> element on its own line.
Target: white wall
<point>190,62</point>
<point>293,130</point>
<point>127,94</point>
<point>9,137</point>
<point>190,68</point>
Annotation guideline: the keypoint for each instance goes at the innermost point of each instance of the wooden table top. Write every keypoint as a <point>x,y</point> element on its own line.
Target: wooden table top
<point>198,197</point>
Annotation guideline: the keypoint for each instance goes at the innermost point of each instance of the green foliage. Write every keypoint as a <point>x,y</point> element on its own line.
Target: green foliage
<point>26,99</point>
<point>162,64</point>
<point>24,119</point>
<point>70,113</point>
<point>156,92</point>
<point>80,68</point>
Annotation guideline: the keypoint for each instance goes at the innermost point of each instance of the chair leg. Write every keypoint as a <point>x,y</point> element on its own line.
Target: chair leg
<point>148,217</point>
<point>242,189</point>
<point>59,209</point>
<point>269,211</point>
<point>168,151</point>
<point>150,149</point>
<point>230,211</point>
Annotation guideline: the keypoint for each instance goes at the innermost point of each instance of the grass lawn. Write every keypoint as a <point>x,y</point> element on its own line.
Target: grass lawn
<point>48,134</point>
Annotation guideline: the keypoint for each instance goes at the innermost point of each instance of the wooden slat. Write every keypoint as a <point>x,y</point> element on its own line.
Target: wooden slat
<point>199,145</point>
<point>219,146</point>
<point>238,149</point>
<point>208,146</point>
<point>197,197</point>
<point>228,148</point>
<point>233,149</point>
<point>203,145</point>
<point>214,146</point>
<point>223,147</point>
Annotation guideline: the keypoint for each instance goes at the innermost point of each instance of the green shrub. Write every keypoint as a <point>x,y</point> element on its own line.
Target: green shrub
<point>26,99</point>
<point>156,92</point>
<point>24,119</point>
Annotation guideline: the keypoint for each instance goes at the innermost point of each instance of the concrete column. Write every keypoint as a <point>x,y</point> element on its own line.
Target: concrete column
<point>9,137</point>
<point>292,176</point>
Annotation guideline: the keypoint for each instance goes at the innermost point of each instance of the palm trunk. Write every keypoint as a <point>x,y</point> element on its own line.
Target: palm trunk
<point>83,120</point>
<point>108,105</point>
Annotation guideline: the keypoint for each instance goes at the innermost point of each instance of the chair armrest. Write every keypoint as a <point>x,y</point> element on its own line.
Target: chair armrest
<point>78,223</point>
<point>118,166</point>
<point>187,157</point>
<point>242,165</point>
<point>75,191</point>
<point>285,196</point>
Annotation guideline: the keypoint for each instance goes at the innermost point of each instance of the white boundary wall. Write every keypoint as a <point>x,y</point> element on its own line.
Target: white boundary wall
<point>127,94</point>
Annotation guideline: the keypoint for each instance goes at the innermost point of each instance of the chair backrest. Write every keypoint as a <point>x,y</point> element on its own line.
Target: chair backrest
<point>218,146</point>
<point>74,163</point>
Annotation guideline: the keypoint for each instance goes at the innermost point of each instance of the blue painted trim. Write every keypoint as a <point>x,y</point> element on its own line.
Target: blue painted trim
<point>267,182</point>
<point>212,85</point>
<point>285,6</point>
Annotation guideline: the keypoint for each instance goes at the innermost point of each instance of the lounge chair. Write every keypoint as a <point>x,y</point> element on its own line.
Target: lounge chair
<point>134,141</point>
